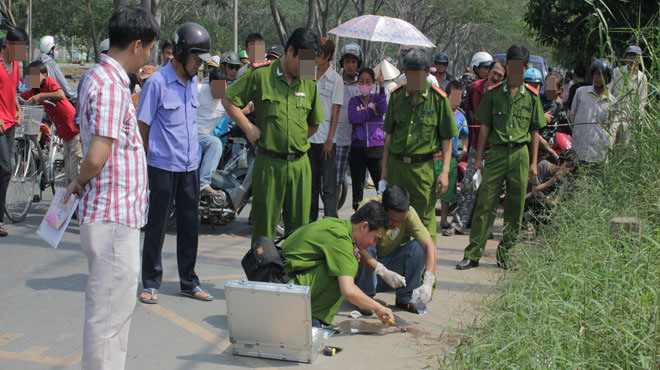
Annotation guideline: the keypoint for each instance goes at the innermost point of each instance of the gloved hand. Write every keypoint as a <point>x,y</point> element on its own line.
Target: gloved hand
<point>426,289</point>
<point>382,185</point>
<point>390,277</point>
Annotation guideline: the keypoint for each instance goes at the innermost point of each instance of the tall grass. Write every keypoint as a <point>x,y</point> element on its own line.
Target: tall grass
<point>578,299</point>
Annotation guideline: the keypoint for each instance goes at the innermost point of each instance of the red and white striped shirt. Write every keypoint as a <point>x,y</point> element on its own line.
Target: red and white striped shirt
<point>119,193</point>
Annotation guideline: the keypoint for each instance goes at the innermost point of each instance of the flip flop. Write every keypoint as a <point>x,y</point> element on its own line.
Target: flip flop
<point>197,289</point>
<point>449,232</point>
<point>152,292</point>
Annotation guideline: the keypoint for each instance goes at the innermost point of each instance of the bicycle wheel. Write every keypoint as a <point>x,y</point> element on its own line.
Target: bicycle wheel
<point>20,190</point>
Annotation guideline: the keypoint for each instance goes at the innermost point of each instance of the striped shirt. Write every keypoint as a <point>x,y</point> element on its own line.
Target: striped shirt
<point>119,193</point>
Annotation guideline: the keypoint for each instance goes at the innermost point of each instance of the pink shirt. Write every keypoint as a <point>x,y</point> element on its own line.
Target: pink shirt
<point>119,193</point>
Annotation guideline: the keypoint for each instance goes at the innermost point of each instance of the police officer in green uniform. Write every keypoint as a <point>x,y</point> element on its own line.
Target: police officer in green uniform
<point>511,115</point>
<point>322,255</point>
<point>419,121</point>
<point>288,111</point>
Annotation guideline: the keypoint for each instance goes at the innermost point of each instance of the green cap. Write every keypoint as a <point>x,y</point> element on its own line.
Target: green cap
<point>242,54</point>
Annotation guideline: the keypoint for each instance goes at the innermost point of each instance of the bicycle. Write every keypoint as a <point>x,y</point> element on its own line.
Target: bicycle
<point>29,164</point>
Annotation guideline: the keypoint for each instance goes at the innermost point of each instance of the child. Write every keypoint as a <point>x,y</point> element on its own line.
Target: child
<point>459,145</point>
<point>60,111</point>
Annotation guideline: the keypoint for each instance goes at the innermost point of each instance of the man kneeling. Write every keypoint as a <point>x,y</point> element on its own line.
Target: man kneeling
<point>395,262</point>
<point>324,256</point>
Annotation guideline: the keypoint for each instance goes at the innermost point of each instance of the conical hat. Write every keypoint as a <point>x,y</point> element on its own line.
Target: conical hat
<point>387,69</point>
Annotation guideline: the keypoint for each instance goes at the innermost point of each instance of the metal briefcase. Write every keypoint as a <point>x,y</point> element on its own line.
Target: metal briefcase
<point>270,320</point>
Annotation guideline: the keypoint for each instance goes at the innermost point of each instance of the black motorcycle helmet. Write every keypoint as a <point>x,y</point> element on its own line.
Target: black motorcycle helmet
<point>441,58</point>
<point>604,67</point>
<point>191,38</point>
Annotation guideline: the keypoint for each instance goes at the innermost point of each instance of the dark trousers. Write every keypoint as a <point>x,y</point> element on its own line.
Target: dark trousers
<point>324,178</point>
<point>182,189</point>
<point>6,152</point>
<point>360,160</point>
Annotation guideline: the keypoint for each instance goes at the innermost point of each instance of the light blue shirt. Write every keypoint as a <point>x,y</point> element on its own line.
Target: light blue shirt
<point>170,109</point>
<point>461,124</point>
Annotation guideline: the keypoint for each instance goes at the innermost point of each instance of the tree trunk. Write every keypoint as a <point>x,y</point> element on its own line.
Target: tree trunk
<point>280,24</point>
<point>119,3</point>
<point>311,13</point>
<point>156,9</point>
<point>95,41</point>
<point>146,4</point>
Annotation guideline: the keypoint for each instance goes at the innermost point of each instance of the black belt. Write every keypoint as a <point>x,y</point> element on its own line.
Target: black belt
<point>411,159</point>
<point>510,145</point>
<point>287,157</point>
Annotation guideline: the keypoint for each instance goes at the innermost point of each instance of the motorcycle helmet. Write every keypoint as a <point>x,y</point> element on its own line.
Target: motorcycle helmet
<point>104,46</point>
<point>533,75</point>
<point>351,50</point>
<point>230,57</point>
<point>441,58</point>
<point>47,43</point>
<point>191,38</point>
<point>604,67</point>
<point>480,59</point>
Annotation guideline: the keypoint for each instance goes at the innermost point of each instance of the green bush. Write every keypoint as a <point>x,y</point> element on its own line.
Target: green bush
<point>579,299</point>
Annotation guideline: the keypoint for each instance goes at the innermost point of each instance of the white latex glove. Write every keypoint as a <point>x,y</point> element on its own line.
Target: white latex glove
<point>382,185</point>
<point>390,277</point>
<point>426,289</point>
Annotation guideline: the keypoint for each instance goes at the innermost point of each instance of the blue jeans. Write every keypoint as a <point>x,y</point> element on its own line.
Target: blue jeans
<point>211,154</point>
<point>409,261</point>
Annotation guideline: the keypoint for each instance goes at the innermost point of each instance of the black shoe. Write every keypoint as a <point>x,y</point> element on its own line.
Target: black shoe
<point>467,264</point>
<point>410,307</point>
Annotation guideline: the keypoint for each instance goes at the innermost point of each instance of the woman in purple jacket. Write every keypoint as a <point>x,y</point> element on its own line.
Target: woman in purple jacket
<point>366,113</point>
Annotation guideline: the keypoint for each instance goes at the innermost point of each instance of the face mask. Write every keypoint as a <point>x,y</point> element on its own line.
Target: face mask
<point>365,89</point>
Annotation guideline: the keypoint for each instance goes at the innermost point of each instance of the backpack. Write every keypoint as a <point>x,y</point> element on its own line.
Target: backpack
<point>264,262</point>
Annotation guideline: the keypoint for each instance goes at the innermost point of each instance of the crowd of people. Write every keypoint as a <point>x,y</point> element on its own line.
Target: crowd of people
<point>144,139</point>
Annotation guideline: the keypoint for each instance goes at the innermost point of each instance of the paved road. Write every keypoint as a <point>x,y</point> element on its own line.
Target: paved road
<point>42,305</point>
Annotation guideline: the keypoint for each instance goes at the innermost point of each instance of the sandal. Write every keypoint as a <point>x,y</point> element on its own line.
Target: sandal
<point>410,307</point>
<point>3,230</point>
<point>197,293</point>
<point>152,292</point>
<point>449,232</point>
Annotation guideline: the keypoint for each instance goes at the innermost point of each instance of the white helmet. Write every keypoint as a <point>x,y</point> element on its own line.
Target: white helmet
<point>46,44</point>
<point>480,59</point>
<point>104,45</point>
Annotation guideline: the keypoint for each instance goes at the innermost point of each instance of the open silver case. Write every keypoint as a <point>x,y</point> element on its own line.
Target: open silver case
<point>270,320</point>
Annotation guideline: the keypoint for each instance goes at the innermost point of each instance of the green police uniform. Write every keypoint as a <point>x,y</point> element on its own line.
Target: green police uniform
<point>416,133</point>
<point>511,121</point>
<point>315,255</point>
<point>281,180</point>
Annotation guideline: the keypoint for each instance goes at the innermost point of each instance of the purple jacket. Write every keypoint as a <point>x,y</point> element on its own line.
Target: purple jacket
<point>367,125</point>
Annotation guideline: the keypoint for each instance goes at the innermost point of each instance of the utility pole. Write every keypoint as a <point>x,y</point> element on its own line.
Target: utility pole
<point>30,32</point>
<point>236,26</point>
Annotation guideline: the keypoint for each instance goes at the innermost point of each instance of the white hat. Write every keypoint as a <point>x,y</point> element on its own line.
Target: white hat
<point>480,58</point>
<point>389,71</point>
<point>46,44</point>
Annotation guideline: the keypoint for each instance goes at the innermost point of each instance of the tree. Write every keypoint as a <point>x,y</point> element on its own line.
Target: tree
<point>577,29</point>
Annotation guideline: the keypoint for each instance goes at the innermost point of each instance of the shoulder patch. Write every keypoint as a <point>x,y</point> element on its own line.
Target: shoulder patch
<point>439,91</point>
<point>260,64</point>
<point>532,89</point>
<point>494,86</point>
<point>396,88</point>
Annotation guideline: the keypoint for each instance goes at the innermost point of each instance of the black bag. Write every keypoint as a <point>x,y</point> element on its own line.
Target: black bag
<point>263,262</point>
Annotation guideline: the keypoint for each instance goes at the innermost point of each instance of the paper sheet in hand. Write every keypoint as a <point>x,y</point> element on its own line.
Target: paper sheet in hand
<point>476,180</point>
<point>57,218</point>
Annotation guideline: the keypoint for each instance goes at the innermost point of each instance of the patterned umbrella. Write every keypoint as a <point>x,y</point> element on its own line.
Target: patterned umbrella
<point>383,29</point>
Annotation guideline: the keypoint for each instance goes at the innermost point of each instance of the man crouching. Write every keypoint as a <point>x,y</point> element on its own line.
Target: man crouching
<point>324,256</point>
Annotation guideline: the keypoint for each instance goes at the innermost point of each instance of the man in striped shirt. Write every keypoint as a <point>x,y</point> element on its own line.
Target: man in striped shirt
<point>113,187</point>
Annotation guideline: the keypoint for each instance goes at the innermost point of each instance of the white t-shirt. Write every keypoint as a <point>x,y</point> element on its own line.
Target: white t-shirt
<point>402,80</point>
<point>210,111</point>
<point>630,91</point>
<point>344,126</point>
<point>331,91</point>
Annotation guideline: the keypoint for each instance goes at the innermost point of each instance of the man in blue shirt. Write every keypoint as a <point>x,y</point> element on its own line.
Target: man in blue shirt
<point>167,118</point>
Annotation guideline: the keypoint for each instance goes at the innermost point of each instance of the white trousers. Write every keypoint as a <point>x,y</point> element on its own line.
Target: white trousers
<point>113,255</point>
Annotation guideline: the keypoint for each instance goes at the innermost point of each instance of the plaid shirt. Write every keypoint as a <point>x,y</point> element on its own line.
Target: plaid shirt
<point>119,193</point>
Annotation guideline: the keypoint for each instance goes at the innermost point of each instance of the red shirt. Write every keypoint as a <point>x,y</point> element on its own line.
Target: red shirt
<point>474,95</point>
<point>61,113</point>
<point>8,86</point>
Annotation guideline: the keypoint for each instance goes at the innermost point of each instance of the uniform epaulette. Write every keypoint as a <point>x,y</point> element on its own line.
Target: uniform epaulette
<point>260,64</point>
<point>396,88</point>
<point>532,89</point>
<point>494,86</point>
<point>439,91</point>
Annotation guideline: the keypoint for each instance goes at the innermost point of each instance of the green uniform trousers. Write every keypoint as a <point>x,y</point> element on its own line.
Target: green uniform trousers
<point>502,163</point>
<point>324,291</point>
<point>419,179</point>
<point>280,186</point>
